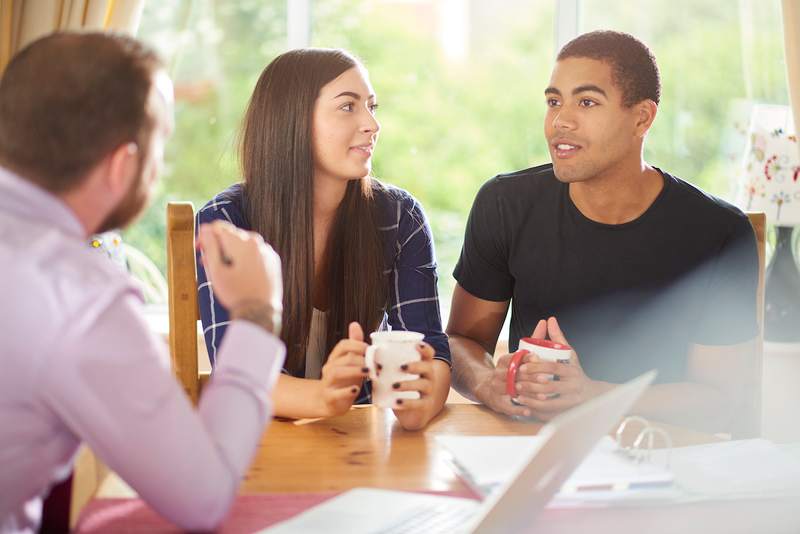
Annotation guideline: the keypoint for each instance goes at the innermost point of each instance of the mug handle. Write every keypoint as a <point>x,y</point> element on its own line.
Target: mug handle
<point>511,375</point>
<point>369,360</point>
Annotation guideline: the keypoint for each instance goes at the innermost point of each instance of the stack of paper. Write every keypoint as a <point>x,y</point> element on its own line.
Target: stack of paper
<point>719,471</point>
<point>734,470</point>
<point>606,474</point>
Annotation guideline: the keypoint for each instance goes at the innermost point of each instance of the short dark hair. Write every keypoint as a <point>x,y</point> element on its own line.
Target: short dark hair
<point>633,65</point>
<point>69,99</point>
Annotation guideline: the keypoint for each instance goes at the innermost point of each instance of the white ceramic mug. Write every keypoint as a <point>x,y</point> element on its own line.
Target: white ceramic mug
<point>547,350</point>
<point>390,350</point>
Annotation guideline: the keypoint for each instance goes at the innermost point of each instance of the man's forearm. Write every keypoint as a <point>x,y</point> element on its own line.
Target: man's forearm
<point>718,388</point>
<point>472,365</point>
<point>690,404</point>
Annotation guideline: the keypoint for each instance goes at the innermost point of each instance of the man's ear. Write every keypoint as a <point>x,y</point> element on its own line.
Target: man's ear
<point>646,111</point>
<point>123,166</point>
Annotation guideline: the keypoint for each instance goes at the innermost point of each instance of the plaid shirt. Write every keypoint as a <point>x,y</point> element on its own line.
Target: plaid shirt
<point>410,270</point>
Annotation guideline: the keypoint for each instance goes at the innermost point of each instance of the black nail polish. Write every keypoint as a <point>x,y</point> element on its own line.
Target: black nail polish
<point>380,367</point>
<point>354,390</point>
<point>399,401</point>
<point>396,385</point>
<point>404,367</point>
<point>365,370</point>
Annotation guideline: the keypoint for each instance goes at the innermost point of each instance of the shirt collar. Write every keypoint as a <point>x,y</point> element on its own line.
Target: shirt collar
<point>27,200</point>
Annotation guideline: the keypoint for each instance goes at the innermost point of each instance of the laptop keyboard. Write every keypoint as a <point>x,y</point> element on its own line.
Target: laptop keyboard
<point>446,518</point>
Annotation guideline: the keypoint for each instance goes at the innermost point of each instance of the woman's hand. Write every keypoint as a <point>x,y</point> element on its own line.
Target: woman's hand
<point>414,414</point>
<point>343,373</point>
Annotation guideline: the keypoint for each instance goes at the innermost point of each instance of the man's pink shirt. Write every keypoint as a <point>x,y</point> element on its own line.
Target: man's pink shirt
<point>78,364</point>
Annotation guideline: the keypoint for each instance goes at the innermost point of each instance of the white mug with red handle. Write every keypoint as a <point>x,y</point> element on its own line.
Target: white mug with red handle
<point>544,349</point>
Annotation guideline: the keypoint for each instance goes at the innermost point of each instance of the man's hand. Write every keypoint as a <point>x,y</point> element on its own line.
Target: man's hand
<point>245,273</point>
<point>492,391</point>
<point>547,397</point>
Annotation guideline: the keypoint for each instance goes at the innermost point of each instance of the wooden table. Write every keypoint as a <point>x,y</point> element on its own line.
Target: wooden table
<point>300,465</point>
<point>367,447</point>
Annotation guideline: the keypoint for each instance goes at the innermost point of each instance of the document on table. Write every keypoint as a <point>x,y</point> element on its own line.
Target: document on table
<point>485,462</point>
<point>752,468</point>
<point>726,470</point>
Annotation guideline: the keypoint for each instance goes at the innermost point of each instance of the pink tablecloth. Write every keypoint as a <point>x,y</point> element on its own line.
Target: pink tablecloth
<point>254,512</point>
<point>249,513</point>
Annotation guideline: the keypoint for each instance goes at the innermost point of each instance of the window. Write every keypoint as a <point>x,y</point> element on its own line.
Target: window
<point>460,87</point>
<point>460,92</point>
<point>215,51</point>
<point>715,61</point>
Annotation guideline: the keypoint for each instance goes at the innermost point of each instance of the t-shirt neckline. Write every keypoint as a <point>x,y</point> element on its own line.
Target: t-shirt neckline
<point>638,220</point>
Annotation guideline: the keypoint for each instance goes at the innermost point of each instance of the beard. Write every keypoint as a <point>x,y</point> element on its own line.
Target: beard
<point>130,207</point>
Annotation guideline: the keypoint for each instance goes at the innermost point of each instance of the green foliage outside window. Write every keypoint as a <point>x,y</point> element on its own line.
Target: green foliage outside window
<point>447,125</point>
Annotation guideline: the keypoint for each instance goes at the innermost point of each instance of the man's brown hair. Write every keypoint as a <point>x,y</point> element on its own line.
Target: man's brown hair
<point>68,100</point>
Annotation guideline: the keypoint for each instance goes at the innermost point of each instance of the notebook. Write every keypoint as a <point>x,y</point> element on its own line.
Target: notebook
<point>513,507</point>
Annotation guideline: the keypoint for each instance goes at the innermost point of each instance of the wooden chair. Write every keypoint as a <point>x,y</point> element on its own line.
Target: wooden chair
<point>183,311</point>
<point>749,422</point>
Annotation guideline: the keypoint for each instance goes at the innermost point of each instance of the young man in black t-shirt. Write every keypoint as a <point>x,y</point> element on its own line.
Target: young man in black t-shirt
<point>632,267</point>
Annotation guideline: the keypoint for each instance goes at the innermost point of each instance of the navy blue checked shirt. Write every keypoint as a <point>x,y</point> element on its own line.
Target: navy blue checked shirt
<point>410,269</point>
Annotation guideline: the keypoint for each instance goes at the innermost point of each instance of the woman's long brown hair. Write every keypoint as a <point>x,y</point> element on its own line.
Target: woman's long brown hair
<point>277,164</point>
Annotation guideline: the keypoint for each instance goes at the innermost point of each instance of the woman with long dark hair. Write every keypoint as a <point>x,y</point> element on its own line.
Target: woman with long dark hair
<point>357,254</point>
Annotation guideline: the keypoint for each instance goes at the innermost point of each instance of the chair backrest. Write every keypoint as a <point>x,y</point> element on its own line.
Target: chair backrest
<point>749,422</point>
<point>182,282</point>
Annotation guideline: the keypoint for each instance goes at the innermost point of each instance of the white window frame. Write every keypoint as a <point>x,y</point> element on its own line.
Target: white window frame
<point>567,22</point>
<point>298,23</point>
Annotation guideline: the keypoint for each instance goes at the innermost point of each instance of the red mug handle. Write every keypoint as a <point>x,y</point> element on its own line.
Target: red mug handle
<point>511,375</point>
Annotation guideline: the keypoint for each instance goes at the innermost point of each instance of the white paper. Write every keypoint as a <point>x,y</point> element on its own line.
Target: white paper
<point>487,461</point>
<point>735,469</point>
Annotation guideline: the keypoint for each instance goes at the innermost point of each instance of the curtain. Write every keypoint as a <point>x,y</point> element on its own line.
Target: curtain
<point>23,21</point>
<point>791,39</point>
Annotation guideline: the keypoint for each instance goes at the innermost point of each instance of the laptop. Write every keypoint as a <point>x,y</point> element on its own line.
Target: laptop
<point>514,507</point>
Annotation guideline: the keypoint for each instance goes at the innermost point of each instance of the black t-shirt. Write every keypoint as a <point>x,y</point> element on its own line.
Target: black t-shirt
<point>628,297</point>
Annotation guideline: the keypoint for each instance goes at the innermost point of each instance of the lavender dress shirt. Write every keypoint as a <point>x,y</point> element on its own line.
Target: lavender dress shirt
<point>78,363</point>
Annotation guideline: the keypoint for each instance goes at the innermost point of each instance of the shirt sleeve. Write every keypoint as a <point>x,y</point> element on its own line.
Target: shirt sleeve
<point>213,315</point>
<point>413,295</point>
<point>111,385</point>
<point>729,306</point>
<point>482,268</point>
